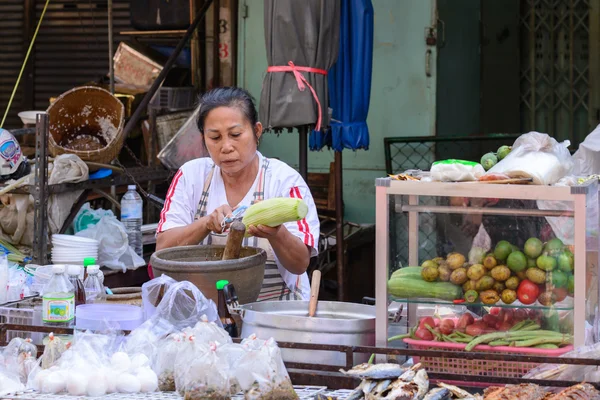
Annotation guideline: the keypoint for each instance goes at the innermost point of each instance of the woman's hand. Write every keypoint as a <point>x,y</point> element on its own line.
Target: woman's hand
<point>264,231</point>
<point>215,218</point>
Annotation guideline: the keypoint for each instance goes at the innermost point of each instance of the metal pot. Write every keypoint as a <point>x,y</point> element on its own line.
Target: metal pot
<point>334,323</point>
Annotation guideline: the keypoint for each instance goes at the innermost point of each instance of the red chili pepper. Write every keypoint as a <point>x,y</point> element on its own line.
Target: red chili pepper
<point>458,301</point>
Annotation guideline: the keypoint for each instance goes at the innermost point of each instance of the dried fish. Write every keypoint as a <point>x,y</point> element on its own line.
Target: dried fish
<point>422,381</point>
<point>456,391</point>
<point>375,371</point>
<point>582,391</point>
<point>400,390</point>
<point>438,394</point>
<point>526,391</point>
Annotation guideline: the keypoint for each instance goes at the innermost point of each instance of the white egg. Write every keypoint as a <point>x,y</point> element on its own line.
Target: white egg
<point>148,380</point>
<point>120,361</point>
<point>96,385</point>
<point>139,361</point>
<point>77,384</point>
<point>40,377</point>
<point>111,380</point>
<point>128,383</point>
<point>54,383</point>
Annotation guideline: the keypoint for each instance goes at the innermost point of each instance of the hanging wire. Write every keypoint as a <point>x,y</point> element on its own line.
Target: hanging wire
<point>12,96</point>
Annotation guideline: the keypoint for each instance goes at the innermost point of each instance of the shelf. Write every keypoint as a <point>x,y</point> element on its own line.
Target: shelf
<point>563,306</point>
<point>164,33</point>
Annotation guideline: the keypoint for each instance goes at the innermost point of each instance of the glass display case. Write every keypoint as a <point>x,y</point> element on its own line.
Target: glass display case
<point>500,254</point>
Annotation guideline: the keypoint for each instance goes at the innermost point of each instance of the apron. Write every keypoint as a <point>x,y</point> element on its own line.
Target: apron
<point>273,287</point>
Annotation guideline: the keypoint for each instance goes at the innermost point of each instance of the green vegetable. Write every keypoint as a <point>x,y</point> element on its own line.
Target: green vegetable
<point>410,288</point>
<point>546,346</point>
<point>412,272</point>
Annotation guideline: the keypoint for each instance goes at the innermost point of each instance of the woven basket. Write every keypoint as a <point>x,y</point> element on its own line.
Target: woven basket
<point>126,295</point>
<point>83,109</point>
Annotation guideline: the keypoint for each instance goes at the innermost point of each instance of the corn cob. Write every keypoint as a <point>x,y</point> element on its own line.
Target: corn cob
<point>274,212</point>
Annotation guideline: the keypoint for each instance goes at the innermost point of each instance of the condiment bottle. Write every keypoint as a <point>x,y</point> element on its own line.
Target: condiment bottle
<point>74,272</point>
<point>226,319</point>
<point>94,291</point>
<point>86,263</point>
<point>58,300</point>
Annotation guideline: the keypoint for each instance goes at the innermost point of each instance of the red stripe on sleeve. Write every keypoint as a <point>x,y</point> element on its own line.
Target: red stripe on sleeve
<point>302,224</point>
<point>168,200</point>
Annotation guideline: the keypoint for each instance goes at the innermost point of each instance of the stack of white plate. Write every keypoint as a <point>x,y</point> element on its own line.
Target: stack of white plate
<point>67,249</point>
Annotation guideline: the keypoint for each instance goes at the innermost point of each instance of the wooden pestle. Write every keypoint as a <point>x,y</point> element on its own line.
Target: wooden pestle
<point>233,246</point>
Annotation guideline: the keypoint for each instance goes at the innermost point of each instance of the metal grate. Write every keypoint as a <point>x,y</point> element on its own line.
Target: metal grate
<point>555,64</point>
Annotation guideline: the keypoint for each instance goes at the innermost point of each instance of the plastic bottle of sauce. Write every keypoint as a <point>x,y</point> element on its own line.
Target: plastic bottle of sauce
<point>74,271</point>
<point>94,290</point>
<point>58,300</point>
<point>226,319</point>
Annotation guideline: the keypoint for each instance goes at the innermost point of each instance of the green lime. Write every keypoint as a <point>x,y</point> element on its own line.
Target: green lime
<point>552,247</point>
<point>566,261</point>
<point>546,263</point>
<point>533,247</point>
<point>559,278</point>
<point>516,261</point>
<point>503,151</point>
<point>531,263</point>
<point>502,250</point>
<point>471,296</point>
<point>514,248</point>
<point>488,161</point>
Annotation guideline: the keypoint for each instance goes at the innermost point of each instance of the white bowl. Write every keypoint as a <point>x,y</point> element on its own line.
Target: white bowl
<point>28,117</point>
<point>70,239</point>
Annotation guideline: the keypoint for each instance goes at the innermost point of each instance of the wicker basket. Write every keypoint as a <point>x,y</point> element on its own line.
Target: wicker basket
<point>87,107</point>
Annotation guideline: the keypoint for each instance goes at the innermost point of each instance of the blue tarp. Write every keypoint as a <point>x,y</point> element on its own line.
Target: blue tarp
<point>350,81</point>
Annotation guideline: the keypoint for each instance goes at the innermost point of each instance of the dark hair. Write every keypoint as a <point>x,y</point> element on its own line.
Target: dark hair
<point>227,97</point>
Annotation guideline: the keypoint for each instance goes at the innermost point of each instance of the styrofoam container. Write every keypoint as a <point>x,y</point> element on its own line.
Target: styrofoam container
<point>100,316</point>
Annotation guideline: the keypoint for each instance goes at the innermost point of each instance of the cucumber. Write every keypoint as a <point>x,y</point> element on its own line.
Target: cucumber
<point>407,287</point>
<point>413,272</point>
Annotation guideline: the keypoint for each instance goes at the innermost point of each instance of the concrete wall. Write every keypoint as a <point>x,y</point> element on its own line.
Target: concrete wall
<point>402,96</point>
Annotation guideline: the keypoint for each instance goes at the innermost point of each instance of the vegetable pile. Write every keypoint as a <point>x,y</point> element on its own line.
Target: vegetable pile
<point>540,272</point>
<point>506,328</point>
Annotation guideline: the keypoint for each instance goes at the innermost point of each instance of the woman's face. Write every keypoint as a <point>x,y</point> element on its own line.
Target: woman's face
<point>230,139</point>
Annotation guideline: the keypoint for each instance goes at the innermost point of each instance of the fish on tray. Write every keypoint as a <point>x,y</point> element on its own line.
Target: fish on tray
<point>375,371</point>
<point>525,391</point>
<point>459,393</point>
<point>582,391</point>
<point>438,394</point>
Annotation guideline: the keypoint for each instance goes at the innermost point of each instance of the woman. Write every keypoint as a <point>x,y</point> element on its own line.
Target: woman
<point>205,191</point>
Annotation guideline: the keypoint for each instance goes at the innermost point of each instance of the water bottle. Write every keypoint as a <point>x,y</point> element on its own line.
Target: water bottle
<point>131,217</point>
<point>94,290</point>
<point>58,300</point>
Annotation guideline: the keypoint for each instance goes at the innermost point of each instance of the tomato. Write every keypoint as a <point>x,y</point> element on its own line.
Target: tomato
<point>447,326</point>
<point>495,310</point>
<point>490,320</point>
<point>560,293</point>
<point>424,334</point>
<point>427,321</point>
<point>464,321</point>
<point>528,292</point>
<point>477,328</point>
<point>521,315</point>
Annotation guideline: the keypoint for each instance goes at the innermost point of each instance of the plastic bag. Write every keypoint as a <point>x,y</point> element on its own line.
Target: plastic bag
<point>456,171</point>
<point>114,251</point>
<point>164,362</point>
<point>200,374</point>
<point>184,305</point>
<point>586,160</point>
<point>146,338</point>
<point>153,292</point>
<point>261,372</point>
<point>19,356</point>
<point>206,331</point>
<point>53,351</point>
<point>538,156</point>
<point>9,381</point>
<point>87,217</point>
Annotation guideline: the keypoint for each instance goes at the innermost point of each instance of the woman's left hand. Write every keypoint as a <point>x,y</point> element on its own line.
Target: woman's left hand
<point>264,231</point>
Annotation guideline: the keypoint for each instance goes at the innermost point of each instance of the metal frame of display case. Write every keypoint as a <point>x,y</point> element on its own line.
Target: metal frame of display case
<point>579,195</point>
